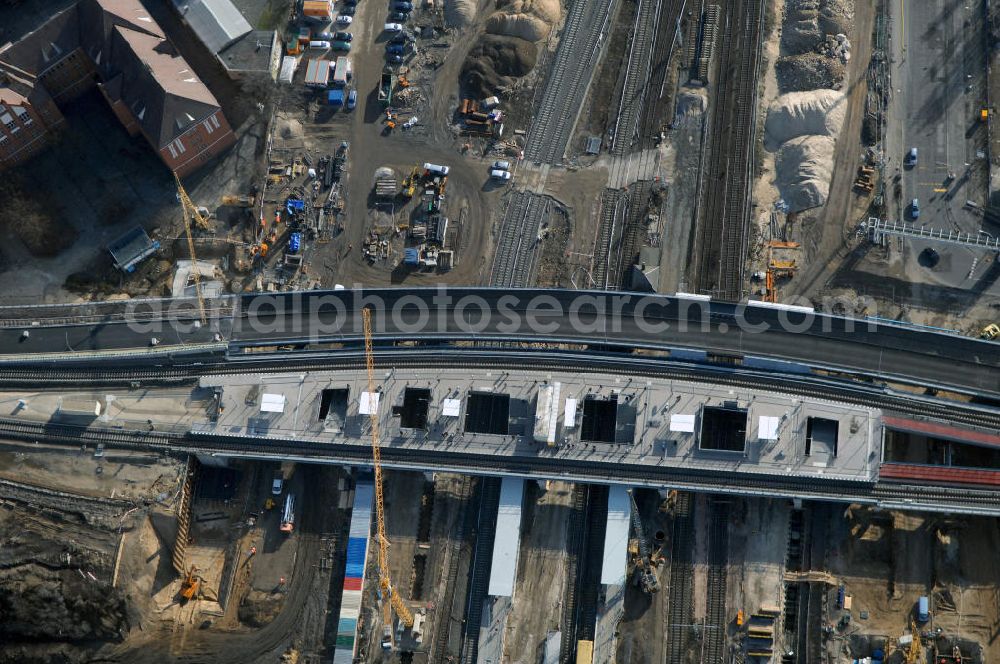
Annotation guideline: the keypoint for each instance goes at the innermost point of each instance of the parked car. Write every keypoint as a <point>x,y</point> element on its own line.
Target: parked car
<point>395,59</point>
<point>398,17</point>
<point>344,19</point>
<point>393,27</point>
<point>915,208</point>
<point>911,157</point>
<point>352,99</point>
<point>278,483</point>
<point>348,10</point>
<point>394,49</point>
<point>341,46</point>
<point>400,38</point>
<point>402,6</point>
<point>343,36</point>
<point>350,2</point>
<point>319,45</point>
<point>325,36</point>
<point>497,174</point>
<point>501,165</point>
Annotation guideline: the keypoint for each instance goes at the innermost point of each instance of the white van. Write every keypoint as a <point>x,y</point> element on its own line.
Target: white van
<point>393,27</point>
<point>498,174</point>
<point>436,170</point>
<point>320,45</point>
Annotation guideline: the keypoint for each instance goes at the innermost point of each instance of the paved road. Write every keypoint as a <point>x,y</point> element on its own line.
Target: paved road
<point>939,76</point>
<point>580,317</point>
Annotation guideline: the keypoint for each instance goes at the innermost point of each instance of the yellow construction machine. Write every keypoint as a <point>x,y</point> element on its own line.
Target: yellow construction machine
<point>191,586</point>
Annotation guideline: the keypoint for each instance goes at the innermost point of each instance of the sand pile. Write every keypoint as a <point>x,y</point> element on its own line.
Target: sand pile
<point>523,26</point>
<point>290,128</point>
<point>495,61</point>
<point>460,13</point>
<point>809,71</point>
<point>804,167</point>
<point>508,49</point>
<point>819,112</point>
<point>547,10</point>
<point>802,127</point>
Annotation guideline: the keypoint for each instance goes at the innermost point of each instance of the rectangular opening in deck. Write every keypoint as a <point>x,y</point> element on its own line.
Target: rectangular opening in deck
<point>333,408</point>
<point>600,419</point>
<point>821,436</point>
<point>723,429</point>
<point>416,404</point>
<point>487,412</point>
<point>917,448</point>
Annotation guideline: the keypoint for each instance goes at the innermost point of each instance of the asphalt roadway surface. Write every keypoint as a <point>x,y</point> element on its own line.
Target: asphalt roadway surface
<point>919,356</point>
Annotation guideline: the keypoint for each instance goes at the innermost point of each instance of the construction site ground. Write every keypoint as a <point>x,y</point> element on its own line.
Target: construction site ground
<point>646,614</point>
<point>541,571</point>
<point>423,518</point>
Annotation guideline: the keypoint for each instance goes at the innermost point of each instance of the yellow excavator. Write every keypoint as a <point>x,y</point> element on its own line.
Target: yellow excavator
<point>191,586</point>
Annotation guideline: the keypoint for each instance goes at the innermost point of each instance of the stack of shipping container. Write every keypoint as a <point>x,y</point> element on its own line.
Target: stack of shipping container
<point>354,576</point>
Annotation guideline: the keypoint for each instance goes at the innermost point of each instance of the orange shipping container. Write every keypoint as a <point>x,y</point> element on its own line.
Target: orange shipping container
<point>317,8</point>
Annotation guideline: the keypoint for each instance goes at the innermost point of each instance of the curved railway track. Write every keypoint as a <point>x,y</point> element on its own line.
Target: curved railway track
<point>689,479</point>
<point>861,394</point>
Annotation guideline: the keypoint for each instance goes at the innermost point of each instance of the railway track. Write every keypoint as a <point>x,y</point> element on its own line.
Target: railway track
<point>680,602</point>
<point>574,551</point>
<point>580,46</point>
<point>479,573</point>
<point>612,210</point>
<point>724,208</point>
<point>638,69</point>
<point>861,394</point>
<point>689,479</point>
<point>442,625</point>
<point>714,643</point>
<point>516,247</point>
<point>630,240</point>
<point>592,561</point>
<point>657,109</point>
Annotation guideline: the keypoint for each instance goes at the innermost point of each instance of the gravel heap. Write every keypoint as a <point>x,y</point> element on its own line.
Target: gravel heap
<point>809,71</point>
<point>495,61</point>
<point>807,21</point>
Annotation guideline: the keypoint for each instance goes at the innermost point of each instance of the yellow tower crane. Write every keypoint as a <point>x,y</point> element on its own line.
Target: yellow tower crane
<point>190,211</point>
<point>385,580</point>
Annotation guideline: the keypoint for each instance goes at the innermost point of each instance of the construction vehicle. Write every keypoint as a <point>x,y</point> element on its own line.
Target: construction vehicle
<point>403,82</point>
<point>644,566</point>
<point>916,649</point>
<point>191,586</point>
<point>385,580</point>
<point>990,332</point>
<point>410,183</point>
<point>740,618</point>
<point>233,200</point>
<point>385,87</point>
<point>191,212</point>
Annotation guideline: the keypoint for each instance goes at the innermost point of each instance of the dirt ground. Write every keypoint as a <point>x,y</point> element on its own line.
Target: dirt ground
<point>895,558</point>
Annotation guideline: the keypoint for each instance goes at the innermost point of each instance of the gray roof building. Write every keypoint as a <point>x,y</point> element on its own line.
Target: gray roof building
<point>218,23</point>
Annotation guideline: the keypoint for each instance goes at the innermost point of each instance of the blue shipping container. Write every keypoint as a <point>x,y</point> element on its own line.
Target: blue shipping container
<point>335,98</point>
